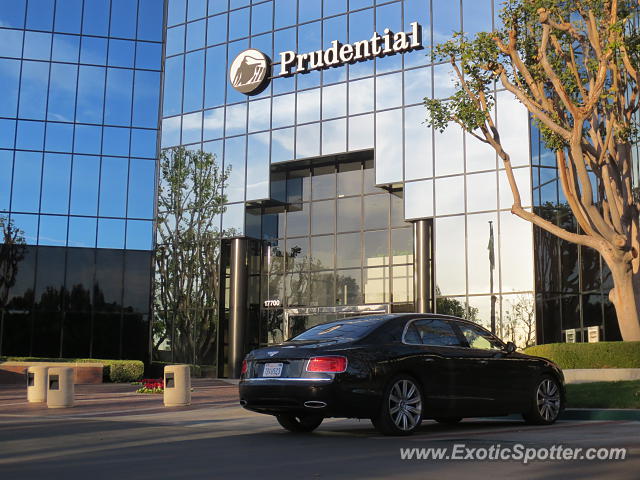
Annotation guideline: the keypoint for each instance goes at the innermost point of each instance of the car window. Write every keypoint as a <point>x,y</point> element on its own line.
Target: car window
<point>432,332</point>
<point>478,338</point>
<point>412,336</point>
<point>345,329</point>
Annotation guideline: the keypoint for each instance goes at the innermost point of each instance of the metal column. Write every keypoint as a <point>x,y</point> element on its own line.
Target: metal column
<point>237,305</point>
<point>422,265</point>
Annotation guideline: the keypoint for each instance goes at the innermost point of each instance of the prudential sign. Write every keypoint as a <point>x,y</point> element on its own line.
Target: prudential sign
<point>249,71</point>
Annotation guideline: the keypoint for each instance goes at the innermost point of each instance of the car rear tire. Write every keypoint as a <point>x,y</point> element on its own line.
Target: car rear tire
<point>448,420</point>
<point>299,423</point>
<point>401,409</point>
<point>546,402</point>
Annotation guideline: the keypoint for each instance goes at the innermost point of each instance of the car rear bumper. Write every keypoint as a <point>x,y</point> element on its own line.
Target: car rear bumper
<point>289,396</point>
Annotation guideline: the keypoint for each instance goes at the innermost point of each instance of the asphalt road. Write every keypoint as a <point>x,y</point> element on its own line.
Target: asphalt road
<point>120,436</point>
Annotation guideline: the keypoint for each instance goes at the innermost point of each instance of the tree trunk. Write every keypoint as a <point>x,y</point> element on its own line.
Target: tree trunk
<point>625,296</point>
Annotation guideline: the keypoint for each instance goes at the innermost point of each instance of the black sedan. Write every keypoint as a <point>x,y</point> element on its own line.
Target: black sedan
<point>398,370</point>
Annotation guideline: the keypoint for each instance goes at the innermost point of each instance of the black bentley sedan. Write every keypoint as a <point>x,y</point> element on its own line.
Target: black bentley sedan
<point>397,370</point>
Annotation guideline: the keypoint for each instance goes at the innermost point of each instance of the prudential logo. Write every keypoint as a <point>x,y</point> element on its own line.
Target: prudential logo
<point>249,72</point>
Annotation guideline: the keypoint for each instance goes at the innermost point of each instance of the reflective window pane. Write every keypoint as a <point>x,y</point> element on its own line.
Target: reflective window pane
<point>449,193</point>
<point>361,132</point>
<point>323,217</point>
<point>141,189</point>
<point>26,180</point>
<point>82,232</point>
<point>9,83</point>
<point>84,185</point>
<point>258,167</point>
<point>376,248</point>
<point>348,250</point>
<point>111,233</point>
<point>450,265</point>
<point>56,179</point>
<point>113,187</point>
<point>349,214</point>
<point>95,20</point>
<point>388,148</point>
<point>418,161</point>
<point>53,230</point>
<point>308,140</point>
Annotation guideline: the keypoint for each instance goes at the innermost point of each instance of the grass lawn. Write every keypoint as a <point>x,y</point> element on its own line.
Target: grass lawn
<point>604,395</point>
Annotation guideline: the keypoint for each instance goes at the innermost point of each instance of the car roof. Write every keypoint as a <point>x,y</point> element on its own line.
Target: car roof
<point>440,316</point>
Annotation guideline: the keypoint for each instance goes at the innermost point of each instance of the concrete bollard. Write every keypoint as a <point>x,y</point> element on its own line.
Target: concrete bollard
<point>37,381</point>
<point>177,385</point>
<point>61,388</point>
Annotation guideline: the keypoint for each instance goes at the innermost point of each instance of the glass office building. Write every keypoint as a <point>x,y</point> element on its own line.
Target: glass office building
<point>341,201</point>
<point>347,201</point>
<point>79,116</point>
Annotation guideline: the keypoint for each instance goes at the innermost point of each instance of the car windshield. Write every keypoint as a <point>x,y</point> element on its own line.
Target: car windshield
<point>352,329</point>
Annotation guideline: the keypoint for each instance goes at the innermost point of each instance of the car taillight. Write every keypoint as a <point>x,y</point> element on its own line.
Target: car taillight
<point>244,367</point>
<point>331,364</point>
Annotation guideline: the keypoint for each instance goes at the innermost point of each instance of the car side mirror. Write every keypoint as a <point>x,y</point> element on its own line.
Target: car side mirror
<point>510,347</point>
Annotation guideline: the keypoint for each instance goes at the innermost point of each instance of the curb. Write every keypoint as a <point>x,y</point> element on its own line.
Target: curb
<point>600,414</point>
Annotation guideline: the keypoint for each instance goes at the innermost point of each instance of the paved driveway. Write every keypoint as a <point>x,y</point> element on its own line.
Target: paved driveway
<point>113,433</point>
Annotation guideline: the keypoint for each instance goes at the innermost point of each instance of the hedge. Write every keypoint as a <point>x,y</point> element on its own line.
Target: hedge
<point>113,370</point>
<point>156,369</point>
<point>590,355</point>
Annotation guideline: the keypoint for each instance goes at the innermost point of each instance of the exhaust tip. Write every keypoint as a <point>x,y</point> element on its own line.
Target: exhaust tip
<point>314,404</point>
<point>243,402</point>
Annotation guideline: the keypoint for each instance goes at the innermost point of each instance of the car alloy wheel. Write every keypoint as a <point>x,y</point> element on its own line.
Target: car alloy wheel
<point>548,400</point>
<point>405,405</point>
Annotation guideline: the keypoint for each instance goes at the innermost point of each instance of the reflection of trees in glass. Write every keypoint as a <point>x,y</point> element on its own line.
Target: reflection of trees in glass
<point>519,321</point>
<point>347,290</point>
<point>12,251</point>
<point>454,307</point>
<point>187,257</point>
<point>274,325</point>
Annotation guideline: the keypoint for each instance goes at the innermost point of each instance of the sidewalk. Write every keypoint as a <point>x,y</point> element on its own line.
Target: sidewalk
<point>115,399</point>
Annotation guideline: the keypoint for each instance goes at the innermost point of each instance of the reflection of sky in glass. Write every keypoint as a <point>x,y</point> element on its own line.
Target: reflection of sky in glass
<point>72,122</point>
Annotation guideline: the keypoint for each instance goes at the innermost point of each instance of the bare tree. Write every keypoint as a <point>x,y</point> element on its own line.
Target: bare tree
<point>190,199</point>
<point>574,65</point>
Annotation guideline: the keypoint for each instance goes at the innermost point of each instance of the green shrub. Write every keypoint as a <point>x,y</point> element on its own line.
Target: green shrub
<point>197,371</point>
<point>590,355</point>
<point>113,370</point>
<point>120,371</point>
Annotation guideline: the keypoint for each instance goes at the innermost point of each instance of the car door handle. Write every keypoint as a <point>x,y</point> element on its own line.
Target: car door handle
<point>428,359</point>
<point>483,362</point>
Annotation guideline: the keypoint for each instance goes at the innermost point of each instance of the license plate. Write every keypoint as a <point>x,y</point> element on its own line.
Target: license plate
<point>272,370</point>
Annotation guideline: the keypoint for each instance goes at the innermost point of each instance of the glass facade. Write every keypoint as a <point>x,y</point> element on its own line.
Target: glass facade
<point>370,105</point>
<point>572,282</point>
<point>336,241</point>
<point>79,121</point>
<point>328,171</point>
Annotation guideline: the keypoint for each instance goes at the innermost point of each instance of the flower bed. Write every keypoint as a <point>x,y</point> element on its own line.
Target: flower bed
<point>151,385</point>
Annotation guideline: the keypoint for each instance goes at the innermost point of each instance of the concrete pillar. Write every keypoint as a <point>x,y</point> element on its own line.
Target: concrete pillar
<point>422,265</point>
<point>237,305</point>
<point>177,386</point>
<point>61,388</point>
<point>37,384</point>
